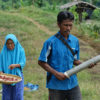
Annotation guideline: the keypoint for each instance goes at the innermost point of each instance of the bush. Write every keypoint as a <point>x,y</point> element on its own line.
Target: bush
<point>73,10</point>
<point>96,14</point>
<point>92,30</point>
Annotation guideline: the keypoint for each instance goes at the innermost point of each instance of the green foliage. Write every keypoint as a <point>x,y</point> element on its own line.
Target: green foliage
<point>96,14</point>
<point>96,28</point>
<point>90,29</point>
<point>40,3</point>
<point>84,14</point>
<point>46,6</point>
<point>95,2</point>
<point>73,10</point>
<point>21,2</point>
<point>76,15</point>
<point>54,5</point>
<point>30,2</point>
<point>43,16</point>
<point>5,5</point>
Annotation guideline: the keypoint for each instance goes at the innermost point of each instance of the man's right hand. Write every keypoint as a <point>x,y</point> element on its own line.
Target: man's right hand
<point>60,76</point>
<point>48,68</point>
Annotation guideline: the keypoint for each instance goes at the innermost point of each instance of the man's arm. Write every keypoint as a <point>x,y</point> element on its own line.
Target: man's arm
<point>77,62</point>
<point>48,68</point>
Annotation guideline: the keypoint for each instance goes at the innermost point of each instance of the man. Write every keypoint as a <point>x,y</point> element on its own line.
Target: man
<point>56,58</point>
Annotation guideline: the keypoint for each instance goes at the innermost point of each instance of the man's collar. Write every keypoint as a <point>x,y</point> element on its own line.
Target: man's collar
<point>69,36</point>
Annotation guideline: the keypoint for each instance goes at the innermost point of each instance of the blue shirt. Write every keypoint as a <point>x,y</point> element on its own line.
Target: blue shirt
<point>60,58</point>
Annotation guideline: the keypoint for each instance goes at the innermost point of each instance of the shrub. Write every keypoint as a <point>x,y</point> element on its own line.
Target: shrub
<point>96,14</point>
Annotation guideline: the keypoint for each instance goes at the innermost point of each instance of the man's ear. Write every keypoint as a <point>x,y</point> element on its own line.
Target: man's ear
<point>58,24</point>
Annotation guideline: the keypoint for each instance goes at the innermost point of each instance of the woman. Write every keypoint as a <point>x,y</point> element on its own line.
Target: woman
<point>12,62</point>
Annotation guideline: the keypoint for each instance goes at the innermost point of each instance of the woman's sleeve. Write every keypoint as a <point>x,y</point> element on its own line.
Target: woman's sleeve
<point>0,63</point>
<point>22,60</point>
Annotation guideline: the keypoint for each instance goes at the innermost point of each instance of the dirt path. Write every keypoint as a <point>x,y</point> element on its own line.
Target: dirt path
<point>42,27</point>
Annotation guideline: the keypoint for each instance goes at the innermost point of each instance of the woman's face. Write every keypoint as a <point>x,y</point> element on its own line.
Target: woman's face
<point>10,44</point>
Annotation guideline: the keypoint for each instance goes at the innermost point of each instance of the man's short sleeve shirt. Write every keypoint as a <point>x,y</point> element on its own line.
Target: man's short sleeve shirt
<point>60,58</point>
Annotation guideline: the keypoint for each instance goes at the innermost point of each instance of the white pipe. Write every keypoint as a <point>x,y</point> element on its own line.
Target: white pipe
<point>82,66</point>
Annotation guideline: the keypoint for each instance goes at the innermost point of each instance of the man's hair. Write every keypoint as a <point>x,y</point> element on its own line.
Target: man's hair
<point>64,15</point>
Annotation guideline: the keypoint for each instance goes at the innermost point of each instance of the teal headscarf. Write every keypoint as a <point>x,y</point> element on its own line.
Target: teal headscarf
<point>15,56</point>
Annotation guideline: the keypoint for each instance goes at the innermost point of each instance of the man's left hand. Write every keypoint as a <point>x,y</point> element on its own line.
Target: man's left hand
<point>92,65</point>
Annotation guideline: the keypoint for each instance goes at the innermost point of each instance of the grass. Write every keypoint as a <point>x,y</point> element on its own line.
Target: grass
<point>89,88</point>
<point>31,37</point>
<point>44,17</point>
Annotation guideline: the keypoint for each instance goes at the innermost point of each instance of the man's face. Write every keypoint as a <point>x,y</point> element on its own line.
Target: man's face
<point>10,44</point>
<point>65,26</point>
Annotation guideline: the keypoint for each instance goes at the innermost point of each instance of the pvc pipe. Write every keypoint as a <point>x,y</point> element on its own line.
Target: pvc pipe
<point>82,66</point>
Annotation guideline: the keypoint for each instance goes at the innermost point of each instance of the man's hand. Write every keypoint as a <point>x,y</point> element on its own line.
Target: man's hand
<point>92,65</point>
<point>60,76</point>
<point>77,62</point>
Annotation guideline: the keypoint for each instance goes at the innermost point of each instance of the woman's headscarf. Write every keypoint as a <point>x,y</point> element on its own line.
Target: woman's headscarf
<point>15,56</point>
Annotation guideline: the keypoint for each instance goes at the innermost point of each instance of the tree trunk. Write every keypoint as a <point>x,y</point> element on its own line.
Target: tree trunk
<point>80,17</point>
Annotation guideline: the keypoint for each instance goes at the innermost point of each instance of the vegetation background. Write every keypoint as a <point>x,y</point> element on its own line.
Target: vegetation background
<point>33,21</point>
